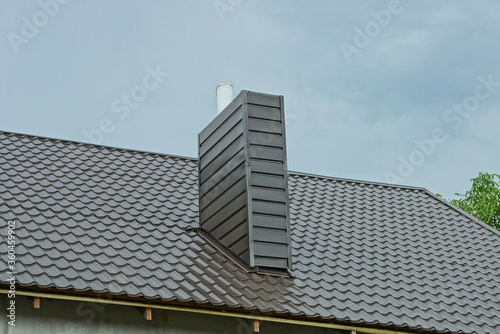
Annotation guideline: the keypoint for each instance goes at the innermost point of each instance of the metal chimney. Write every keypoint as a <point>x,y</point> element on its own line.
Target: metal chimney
<point>243,180</point>
<point>225,95</point>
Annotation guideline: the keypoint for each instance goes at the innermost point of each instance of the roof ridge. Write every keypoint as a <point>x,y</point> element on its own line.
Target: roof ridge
<point>335,178</point>
<point>326,177</point>
<point>462,212</point>
<point>100,145</point>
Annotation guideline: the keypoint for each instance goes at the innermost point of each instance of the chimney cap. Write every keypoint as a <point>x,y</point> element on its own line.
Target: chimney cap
<point>223,84</point>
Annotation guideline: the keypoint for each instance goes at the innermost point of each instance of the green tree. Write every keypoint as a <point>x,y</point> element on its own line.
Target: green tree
<point>483,199</point>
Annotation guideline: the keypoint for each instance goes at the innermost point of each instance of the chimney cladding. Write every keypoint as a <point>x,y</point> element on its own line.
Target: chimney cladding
<point>243,180</point>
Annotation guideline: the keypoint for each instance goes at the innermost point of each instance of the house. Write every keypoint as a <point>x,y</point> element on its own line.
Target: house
<point>98,239</point>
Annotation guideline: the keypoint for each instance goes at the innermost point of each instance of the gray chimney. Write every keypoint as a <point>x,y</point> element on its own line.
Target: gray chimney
<point>243,180</point>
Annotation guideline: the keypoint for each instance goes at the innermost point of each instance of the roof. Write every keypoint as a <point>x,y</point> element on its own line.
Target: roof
<point>109,220</point>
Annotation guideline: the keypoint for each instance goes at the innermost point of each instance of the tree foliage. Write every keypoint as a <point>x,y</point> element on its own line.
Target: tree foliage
<point>483,199</point>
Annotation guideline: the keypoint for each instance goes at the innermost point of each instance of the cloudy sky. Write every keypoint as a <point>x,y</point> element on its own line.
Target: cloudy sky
<point>402,92</point>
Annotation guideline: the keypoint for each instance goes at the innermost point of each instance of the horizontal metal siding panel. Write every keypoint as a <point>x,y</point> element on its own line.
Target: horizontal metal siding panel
<point>269,181</point>
<point>239,231</point>
<point>267,221</point>
<point>228,174</point>
<point>210,222</point>
<point>263,99</point>
<point>268,195</point>
<point>211,207</point>
<point>224,187</point>
<point>224,130</point>
<point>235,135</point>
<point>223,158</point>
<point>270,235</point>
<point>234,154</point>
<point>270,208</point>
<point>242,246</point>
<point>266,139</point>
<point>264,112</point>
<point>262,125</point>
<point>268,167</point>
<point>270,250</point>
<point>271,262</point>
<point>240,217</point>
<point>219,120</point>
<point>267,153</point>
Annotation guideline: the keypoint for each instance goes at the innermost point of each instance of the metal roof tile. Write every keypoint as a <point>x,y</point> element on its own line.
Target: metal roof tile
<point>110,220</point>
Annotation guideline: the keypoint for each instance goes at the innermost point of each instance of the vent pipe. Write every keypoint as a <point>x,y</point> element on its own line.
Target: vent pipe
<point>224,93</point>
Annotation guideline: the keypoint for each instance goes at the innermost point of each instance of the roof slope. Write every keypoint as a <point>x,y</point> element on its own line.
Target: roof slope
<point>93,218</point>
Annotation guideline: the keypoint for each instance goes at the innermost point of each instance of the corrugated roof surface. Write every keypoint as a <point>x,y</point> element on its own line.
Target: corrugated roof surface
<point>101,219</point>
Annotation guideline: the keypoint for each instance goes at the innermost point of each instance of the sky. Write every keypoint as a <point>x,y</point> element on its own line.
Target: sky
<point>404,92</point>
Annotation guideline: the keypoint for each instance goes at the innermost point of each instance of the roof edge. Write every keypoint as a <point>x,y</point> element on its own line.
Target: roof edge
<point>102,146</point>
<point>464,213</point>
<point>201,310</point>
<point>375,183</point>
<point>193,159</point>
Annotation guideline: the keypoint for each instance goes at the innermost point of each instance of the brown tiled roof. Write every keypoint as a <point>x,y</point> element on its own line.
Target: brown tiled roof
<point>108,220</point>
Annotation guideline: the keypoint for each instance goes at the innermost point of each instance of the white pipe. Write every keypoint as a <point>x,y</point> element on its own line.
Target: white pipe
<point>224,93</point>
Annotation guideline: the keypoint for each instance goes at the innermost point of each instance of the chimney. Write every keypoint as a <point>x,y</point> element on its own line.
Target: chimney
<point>243,180</point>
